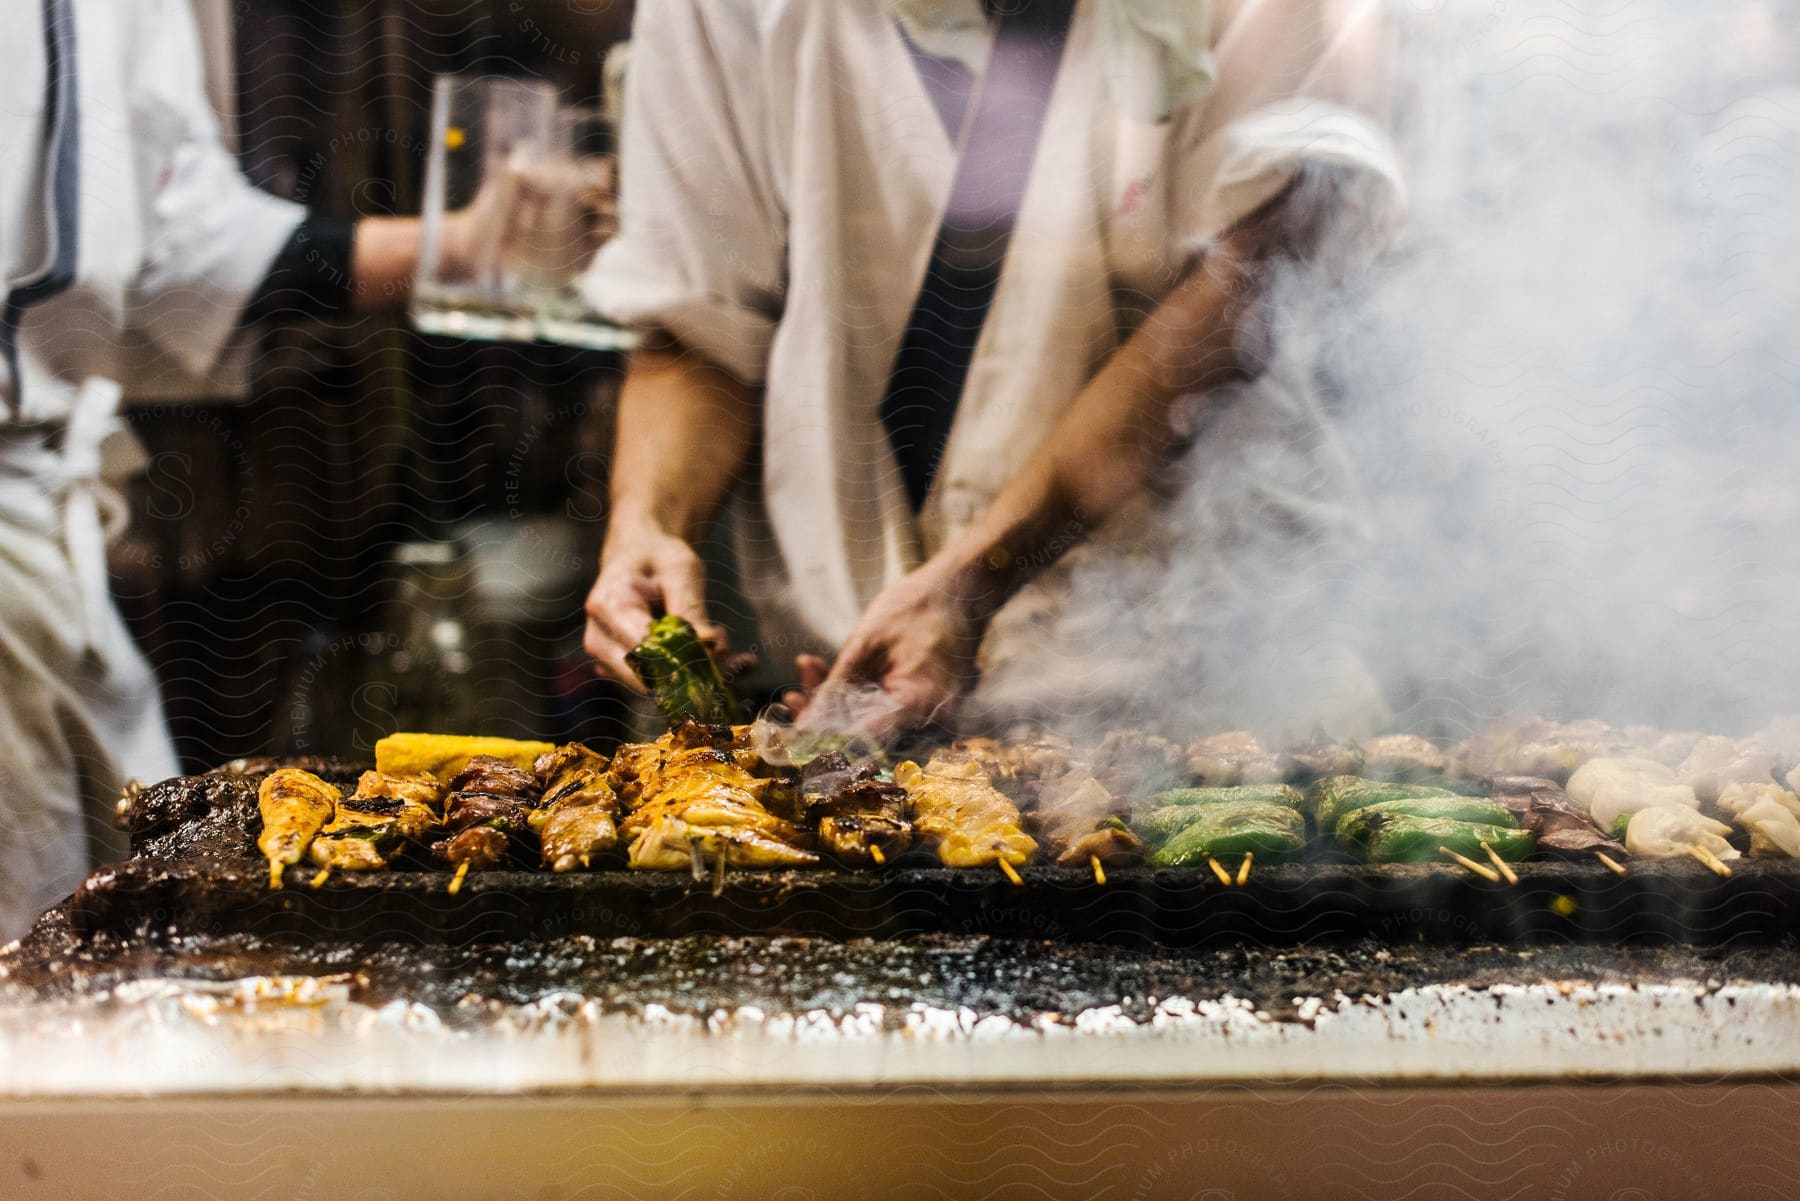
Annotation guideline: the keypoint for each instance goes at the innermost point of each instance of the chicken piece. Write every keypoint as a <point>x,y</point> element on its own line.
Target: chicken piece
<point>1234,757</point>
<point>1321,757</point>
<point>1668,832</point>
<point>1610,788</point>
<point>1403,757</point>
<point>705,787</point>
<point>861,818</point>
<point>1534,748</point>
<point>1717,763</point>
<point>1132,763</point>
<point>1084,822</point>
<point>670,844</point>
<point>493,795</point>
<point>372,823</point>
<point>968,821</point>
<point>1774,828</point>
<point>295,805</point>
<point>577,821</point>
<point>633,766</point>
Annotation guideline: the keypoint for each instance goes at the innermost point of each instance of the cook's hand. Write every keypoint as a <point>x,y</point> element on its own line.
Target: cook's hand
<point>915,644</point>
<point>643,575</point>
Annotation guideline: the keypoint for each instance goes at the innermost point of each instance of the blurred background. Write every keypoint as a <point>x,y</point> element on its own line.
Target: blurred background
<point>364,527</point>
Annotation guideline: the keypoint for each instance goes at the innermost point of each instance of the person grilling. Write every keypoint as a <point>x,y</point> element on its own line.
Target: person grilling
<point>936,290</point>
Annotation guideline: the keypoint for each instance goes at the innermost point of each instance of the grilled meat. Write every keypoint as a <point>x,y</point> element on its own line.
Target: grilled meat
<point>1403,757</point>
<point>1234,757</point>
<point>1674,831</point>
<point>1611,788</point>
<point>1083,822</point>
<point>295,805</point>
<point>1715,764</point>
<point>371,824</point>
<point>860,817</point>
<point>578,819</point>
<point>1769,812</point>
<point>961,815</point>
<point>1133,763</point>
<point>700,784</point>
<point>1320,756</point>
<point>491,795</point>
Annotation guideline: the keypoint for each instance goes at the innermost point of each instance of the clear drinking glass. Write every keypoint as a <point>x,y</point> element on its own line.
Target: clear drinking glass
<point>569,227</point>
<point>484,130</point>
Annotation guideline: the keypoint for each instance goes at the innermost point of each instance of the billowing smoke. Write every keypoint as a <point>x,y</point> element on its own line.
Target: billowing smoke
<point>1553,463</point>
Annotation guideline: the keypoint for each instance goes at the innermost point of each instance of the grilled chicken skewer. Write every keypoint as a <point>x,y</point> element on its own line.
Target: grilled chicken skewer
<point>370,825</point>
<point>697,801</point>
<point>861,818</point>
<point>578,820</point>
<point>295,805</point>
<point>1085,824</point>
<point>487,811</point>
<point>963,817</point>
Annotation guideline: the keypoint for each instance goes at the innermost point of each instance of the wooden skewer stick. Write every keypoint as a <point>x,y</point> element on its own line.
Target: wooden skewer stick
<point>276,867</point>
<point>1099,871</point>
<point>1504,867</point>
<point>1481,869</point>
<point>1012,873</point>
<point>1711,860</point>
<point>462,870</point>
<point>1243,876</point>
<point>718,883</point>
<point>1612,865</point>
<point>1218,870</point>
<point>877,856</point>
<point>324,874</point>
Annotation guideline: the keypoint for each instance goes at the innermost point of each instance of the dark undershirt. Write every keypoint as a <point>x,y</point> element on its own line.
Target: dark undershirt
<point>311,275</point>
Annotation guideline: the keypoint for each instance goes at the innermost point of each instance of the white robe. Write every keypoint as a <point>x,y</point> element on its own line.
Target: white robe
<point>783,175</point>
<point>173,241</point>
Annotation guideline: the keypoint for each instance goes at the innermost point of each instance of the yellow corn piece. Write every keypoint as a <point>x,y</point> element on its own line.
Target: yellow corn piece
<point>443,755</point>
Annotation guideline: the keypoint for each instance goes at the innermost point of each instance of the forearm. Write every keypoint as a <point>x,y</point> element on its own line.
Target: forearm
<point>384,260</point>
<point>685,427</point>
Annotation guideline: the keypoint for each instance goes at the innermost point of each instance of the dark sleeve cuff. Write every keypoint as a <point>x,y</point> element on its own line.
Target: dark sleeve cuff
<point>311,275</point>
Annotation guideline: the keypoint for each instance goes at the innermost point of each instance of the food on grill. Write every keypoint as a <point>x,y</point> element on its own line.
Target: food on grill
<point>1084,823</point>
<point>371,824</point>
<point>1611,788</point>
<point>1186,827</point>
<point>960,815</point>
<point>1769,812</point>
<point>697,804</point>
<point>1354,828</point>
<point>1330,799</point>
<point>487,814</point>
<point>578,819</point>
<point>1401,838</point>
<point>1403,757</point>
<point>1133,763</point>
<point>1322,756</point>
<point>1234,757</point>
<point>1535,748</point>
<point>1673,831</point>
<point>295,805</point>
<point>1542,807</point>
<point>445,755</point>
<point>677,668</point>
<point>861,818</point>
<point>1715,764</point>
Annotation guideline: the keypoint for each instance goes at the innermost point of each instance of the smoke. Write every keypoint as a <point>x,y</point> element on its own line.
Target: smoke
<point>1541,458</point>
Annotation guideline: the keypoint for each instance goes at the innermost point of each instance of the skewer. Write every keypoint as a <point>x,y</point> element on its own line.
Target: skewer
<point>877,856</point>
<point>1218,869</point>
<point>1711,860</point>
<point>718,887</point>
<point>1504,867</point>
<point>1012,873</point>
<point>1099,871</point>
<point>324,874</point>
<point>1612,864</point>
<point>276,867</point>
<point>1481,869</point>
<point>462,870</point>
<point>1243,876</point>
